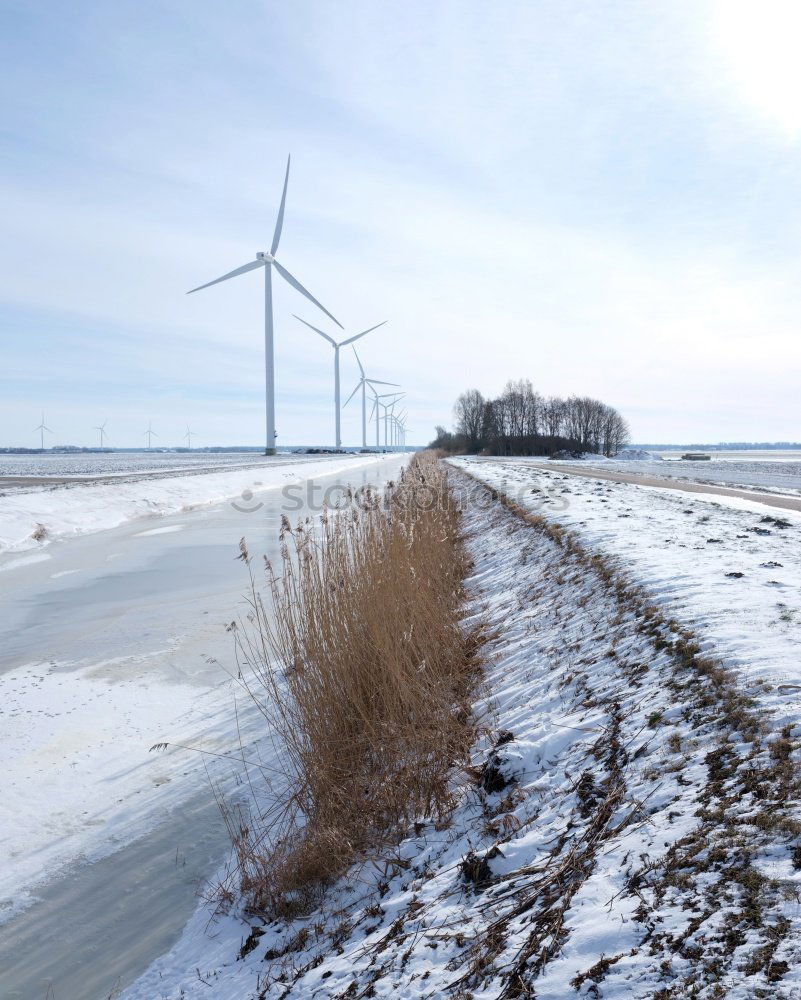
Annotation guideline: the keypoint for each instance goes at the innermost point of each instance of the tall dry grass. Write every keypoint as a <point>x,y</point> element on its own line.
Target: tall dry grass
<point>364,674</point>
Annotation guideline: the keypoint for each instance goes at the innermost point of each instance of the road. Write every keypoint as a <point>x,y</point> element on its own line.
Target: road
<point>114,641</point>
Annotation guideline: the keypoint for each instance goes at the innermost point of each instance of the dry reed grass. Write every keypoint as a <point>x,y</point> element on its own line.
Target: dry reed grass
<point>364,674</point>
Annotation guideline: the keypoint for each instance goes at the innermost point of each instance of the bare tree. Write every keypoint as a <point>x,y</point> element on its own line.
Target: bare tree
<point>469,414</point>
<point>521,422</point>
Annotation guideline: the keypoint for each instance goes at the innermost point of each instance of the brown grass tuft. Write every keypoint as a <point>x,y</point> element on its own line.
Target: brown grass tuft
<point>364,673</point>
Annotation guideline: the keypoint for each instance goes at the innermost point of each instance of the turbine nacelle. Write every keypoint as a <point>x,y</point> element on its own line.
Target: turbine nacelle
<point>267,258</point>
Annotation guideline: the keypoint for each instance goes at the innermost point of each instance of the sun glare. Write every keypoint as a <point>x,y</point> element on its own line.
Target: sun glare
<point>759,48</point>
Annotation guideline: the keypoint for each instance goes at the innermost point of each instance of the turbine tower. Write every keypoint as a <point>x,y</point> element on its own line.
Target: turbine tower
<point>362,384</point>
<point>150,434</point>
<point>268,262</point>
<point>42,428</point>
<point>102,429</point>
<point>336,345</point>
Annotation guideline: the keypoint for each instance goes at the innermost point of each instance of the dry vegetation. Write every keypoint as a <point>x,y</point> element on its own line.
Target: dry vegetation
<point>357,659</point>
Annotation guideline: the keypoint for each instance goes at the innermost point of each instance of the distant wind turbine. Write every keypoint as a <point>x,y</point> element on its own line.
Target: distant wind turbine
<point>150,434</point>
<point>399,428</point>
<point>42,428</point>
<point>385,407</point>
<point>362,384</point>
<point>188,437</point>
<point>336,345</point>
<point>268,262</point>
<point>389,412</point>
<point>102,429</point>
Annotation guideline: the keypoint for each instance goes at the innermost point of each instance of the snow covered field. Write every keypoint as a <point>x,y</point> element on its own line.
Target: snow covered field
<point>121,463</point>
<point>725,566</point>
<point>777,474</point>
<point>33,517</point>
<point>631,825</point>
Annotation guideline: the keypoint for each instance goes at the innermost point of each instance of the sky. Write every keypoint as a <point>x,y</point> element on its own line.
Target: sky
<point>601,197</point>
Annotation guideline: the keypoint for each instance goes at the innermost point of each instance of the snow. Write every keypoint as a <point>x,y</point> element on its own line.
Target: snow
<point>123,463</point>
<point>624,856</point>
<point>78,781</point>
<point>82,508</point>
<point>636,455</point>
<point>778,476</point>
<point>681,547</point>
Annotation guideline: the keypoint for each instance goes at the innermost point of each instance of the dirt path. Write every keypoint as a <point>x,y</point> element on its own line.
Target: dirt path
<point>768,499</point>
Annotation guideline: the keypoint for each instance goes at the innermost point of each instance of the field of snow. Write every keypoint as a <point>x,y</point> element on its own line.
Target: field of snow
<point>630,827</point>
<point>727,567</point>
<point>120,463</point>
<point>30,519</point>
<point>772,474</point>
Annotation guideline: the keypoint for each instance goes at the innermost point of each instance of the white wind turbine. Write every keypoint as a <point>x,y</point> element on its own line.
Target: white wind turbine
<point>389,410</point>
<point>376,411</point>
<point>400,428</point>
<point>150,434</point>
<point>42,428</point>
<point>102,429</point>
<point>268,262</point>
<point>188,437</point>
<point>362,384</point>
<point>385,407</point>
<point>336,345</point>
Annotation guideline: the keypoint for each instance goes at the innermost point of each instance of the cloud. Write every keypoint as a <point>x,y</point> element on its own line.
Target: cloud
<point>526,190</point>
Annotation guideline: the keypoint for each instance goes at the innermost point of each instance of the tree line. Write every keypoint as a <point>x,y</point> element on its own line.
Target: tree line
<point>522,422</point>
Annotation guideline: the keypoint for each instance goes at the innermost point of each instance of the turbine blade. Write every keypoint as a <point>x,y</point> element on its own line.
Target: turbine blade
<point>279,222</point>
<point>231,274</point>
<point>329,339</point>
<point>350,397</point>
<point>377,381</point>
<point>358,361</point>
<point>362,334</point>
<point>298,287</point>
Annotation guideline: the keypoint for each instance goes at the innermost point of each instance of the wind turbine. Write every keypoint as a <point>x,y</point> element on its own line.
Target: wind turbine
<point>102,429</point>
<point>385,407</point>
<point>42,428</point>
<point>188,437</point>
<point>390,408</point>
<point>336,346</point>
<point>362,384</point>
<point>268,262</point>
<point>399,427</point>
<point>377,397</point>
<point>150,434</point>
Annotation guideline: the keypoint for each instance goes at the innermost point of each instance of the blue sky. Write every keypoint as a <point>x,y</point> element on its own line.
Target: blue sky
<point>603,197</point>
